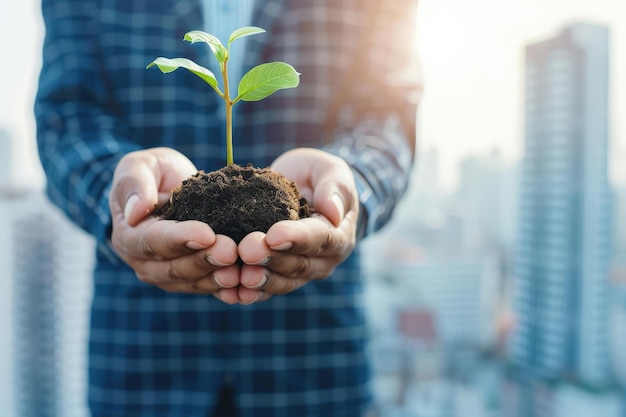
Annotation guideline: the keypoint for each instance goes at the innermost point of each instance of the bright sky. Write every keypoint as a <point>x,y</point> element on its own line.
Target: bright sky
<point>473,58</point>
<point>472,53</point>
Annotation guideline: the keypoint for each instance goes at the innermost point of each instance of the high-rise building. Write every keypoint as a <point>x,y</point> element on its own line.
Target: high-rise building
<point>486,201</point>
<point>6,348</point>
<point>561,287</point>
<point>6,160</point>
<point>51,285</point>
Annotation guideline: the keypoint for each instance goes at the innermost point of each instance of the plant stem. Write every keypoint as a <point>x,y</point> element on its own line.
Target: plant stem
<point>229,115</point>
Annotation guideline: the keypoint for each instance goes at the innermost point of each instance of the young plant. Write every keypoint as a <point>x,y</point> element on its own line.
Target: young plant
<point>258,83</point>
<point>234,200</point>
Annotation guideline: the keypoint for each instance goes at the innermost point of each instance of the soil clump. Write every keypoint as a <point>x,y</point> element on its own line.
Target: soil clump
<point>236,200</point>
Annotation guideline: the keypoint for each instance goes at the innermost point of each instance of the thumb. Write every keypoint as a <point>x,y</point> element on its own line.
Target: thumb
<point>142,179</point>
<point>333,200</point>
<point>134,194</point>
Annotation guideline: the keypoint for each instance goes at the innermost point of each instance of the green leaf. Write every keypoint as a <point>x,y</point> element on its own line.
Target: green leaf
<point>167,65</point>
<point>216,46</point>
<point>265,79</point>
<point>243,32</point>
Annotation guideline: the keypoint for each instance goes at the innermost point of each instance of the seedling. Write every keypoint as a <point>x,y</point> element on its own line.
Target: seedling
<point>258,83</point>
<point>235,200</point>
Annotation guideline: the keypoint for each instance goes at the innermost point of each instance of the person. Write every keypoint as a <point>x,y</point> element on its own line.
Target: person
<point>185,322</point>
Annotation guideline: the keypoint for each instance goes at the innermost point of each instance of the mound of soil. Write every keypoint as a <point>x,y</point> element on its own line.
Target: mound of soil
<point>236,200</point>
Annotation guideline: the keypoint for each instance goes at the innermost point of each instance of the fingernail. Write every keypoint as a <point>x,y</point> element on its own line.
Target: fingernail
<point>218,295</point>
<point>338,202</point>
<point>260,284</point>
<point>263,261</point>
<point>217,281</point>
<point>283,246</point>
<point>214,261</point>
<point>130,205</point>
<point>258,297</point>
<point>195,245</point>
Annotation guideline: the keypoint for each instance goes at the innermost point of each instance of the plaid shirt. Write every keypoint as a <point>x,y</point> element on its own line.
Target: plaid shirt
<point>158,354</point>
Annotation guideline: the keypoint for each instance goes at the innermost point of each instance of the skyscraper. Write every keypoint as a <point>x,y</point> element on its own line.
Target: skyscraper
<point>561,298</point>
<point>6,348</point>
<point>6,160</point>
<point>51,288</point>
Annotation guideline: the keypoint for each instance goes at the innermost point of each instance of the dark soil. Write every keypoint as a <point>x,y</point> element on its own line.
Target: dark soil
<point>236,200</point>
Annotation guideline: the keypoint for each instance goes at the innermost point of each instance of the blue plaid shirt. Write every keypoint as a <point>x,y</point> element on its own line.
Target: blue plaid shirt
<point>158,354</point>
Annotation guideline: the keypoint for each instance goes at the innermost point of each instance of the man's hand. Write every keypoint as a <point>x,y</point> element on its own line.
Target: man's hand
<point>292,253</point>
<point>175,256</point>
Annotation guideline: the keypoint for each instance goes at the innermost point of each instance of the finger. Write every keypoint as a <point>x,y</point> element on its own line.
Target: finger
<point>326,180</point>
<point>228,295</point>
<point>172,168</point>
<point>142,179</point>
<point>253,277</point>
<point>306,267</point>
<point>207,284</point>
<point>133,200</point>
<point>163,239</point>
<point>253,250</point>
<point>227,277</point>
<point>333,196</point>
<point>255,253</point>
<point>223,252</point>
<point>291,266</point>
<point>309,237</point>
<point>135,190</point>
<point>203,285</point>
<point>248,296</point>
<point>187,268</point>
<point>274,283</point>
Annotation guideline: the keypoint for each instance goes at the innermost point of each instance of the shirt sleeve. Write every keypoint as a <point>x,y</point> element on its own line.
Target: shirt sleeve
<point>375,124</point>
<point>80,139</point>
<point>381,161</point>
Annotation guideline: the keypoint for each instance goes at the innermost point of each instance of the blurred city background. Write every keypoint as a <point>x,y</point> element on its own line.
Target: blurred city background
<point>500,287</point>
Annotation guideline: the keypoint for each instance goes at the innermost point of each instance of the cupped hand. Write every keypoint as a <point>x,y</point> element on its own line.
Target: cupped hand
<point>293,253</point>
<point>175,256</point>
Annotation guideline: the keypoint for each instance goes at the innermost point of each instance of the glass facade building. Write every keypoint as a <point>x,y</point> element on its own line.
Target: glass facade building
<point>50,274</point>
<point>563,251</point>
